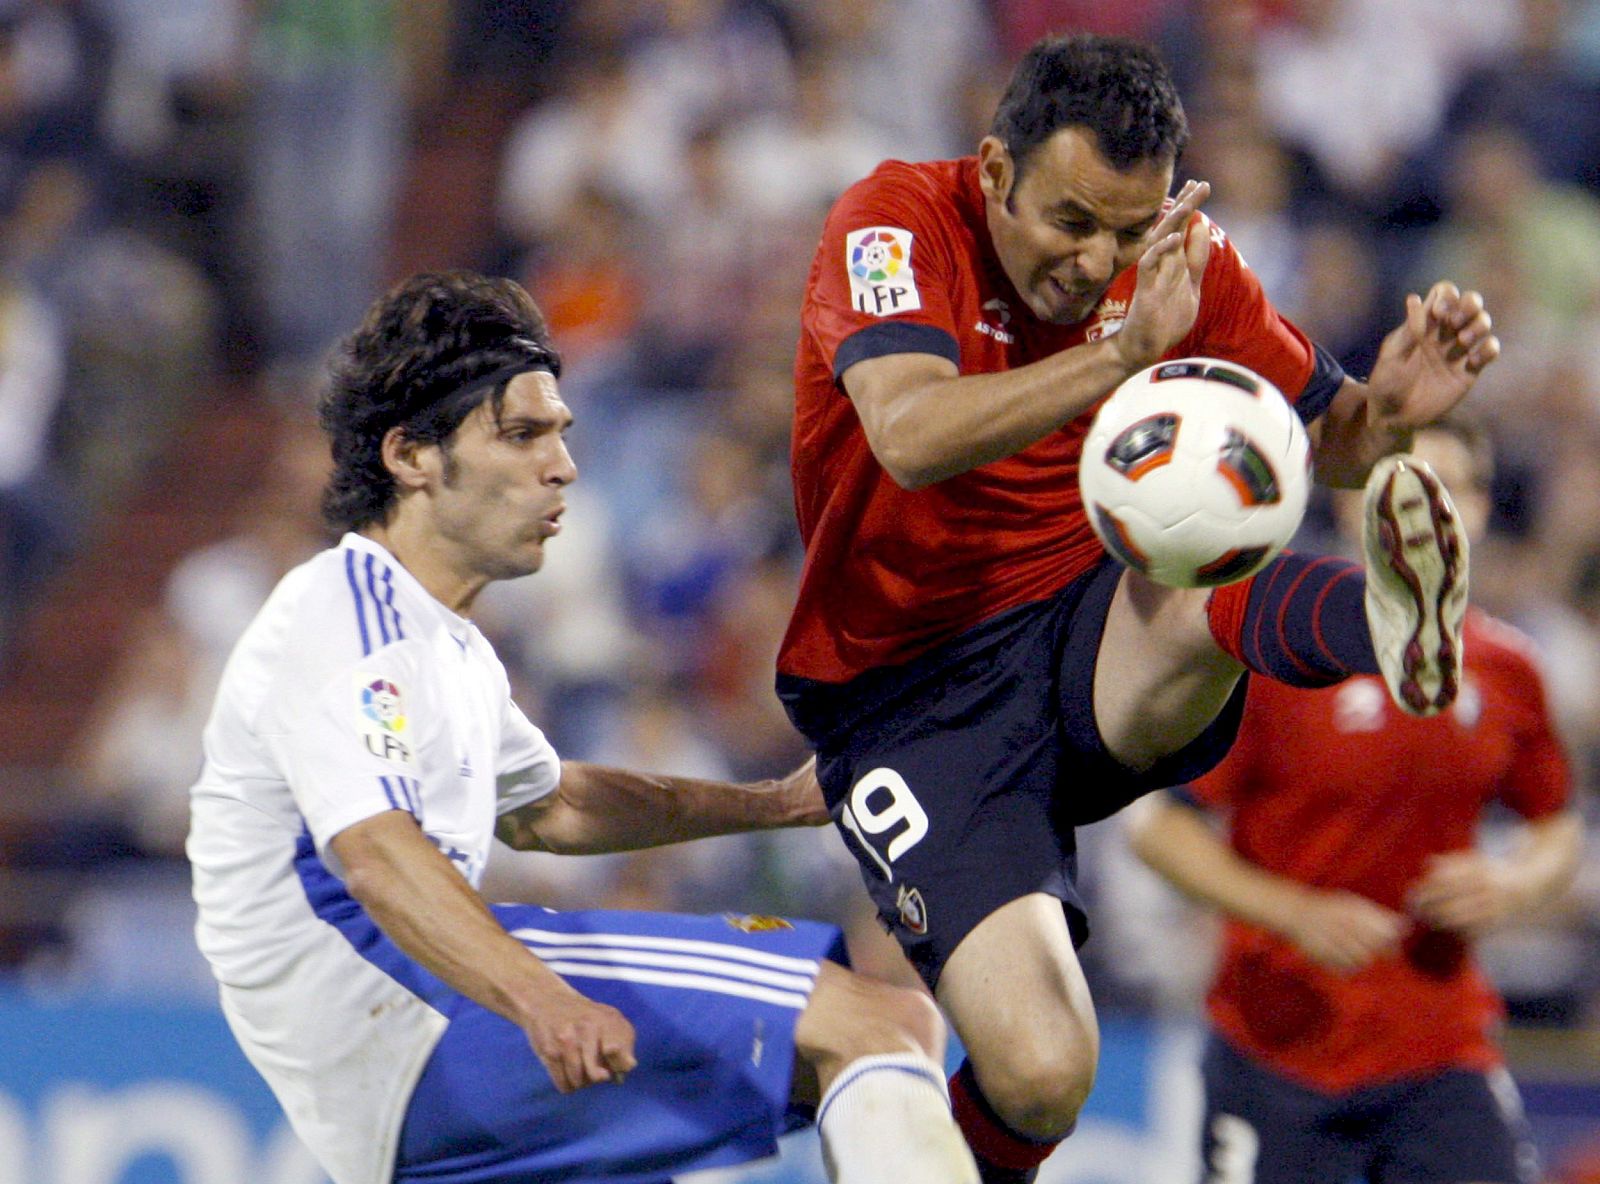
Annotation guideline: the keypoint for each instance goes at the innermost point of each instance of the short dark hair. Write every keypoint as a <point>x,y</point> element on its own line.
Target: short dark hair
<point>429,351</point>
<point>1117,88</point>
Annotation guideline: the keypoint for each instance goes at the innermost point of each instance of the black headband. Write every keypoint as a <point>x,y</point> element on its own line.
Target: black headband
<point>495,377</point>
<point>537,358</point>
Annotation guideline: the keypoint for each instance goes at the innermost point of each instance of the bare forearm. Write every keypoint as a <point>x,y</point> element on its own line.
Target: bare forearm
<point>427,909</point>
<point>932,427</point>
<point>1546,859</point>
<point>1347,445</point>
<point>1176,842</point>
<point>598,808</point>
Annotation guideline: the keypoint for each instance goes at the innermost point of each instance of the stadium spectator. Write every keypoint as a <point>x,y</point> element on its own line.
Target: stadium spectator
<point>1351,1029</point>
<point>1505,214</point>
<point>329,88</point>
<point>34,521</point>
<point>1359,86</point>
<point>584,135</point>
<point>916,71</point>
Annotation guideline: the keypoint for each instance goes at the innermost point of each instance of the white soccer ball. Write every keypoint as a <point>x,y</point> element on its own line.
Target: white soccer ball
<point>1195,472</point>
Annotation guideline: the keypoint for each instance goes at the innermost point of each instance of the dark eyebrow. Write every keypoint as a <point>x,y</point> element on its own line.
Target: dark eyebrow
<point>1071,209</point>
<point>539,423</point>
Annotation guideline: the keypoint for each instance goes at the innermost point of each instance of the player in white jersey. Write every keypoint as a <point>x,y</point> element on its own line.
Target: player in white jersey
<point>363,752</point>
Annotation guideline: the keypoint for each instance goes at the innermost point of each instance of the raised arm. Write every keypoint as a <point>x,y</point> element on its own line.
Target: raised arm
<point>596,808</point>
<point>1340,930</point>
<point>430,911</point>
<point>1426,365</point>
<point>925,422</point>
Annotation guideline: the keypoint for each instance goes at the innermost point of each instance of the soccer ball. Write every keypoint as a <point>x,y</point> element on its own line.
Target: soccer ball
<point>1195,472</point>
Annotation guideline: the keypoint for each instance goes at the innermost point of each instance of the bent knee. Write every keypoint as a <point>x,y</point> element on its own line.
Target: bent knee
<point>1037,1094</point>
<point>850,1016</point>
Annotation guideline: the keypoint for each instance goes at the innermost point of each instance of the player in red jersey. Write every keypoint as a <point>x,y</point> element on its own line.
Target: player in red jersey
<point>1352,1031</point>
<point>976,675</point>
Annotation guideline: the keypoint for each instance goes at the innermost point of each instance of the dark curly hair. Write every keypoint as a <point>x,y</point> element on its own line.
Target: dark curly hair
<point>1117,88</point>
<point>428,352</point>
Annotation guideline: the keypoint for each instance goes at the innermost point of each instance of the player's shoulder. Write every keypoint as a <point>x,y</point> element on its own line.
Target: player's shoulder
<point>343,604</point>
<point>921,188</point>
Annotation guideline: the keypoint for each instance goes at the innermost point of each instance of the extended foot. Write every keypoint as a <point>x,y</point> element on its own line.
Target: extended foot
<point>1416,552</point>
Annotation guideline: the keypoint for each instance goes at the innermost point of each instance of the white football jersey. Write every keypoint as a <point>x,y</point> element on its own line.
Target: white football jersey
<point>352,692</point>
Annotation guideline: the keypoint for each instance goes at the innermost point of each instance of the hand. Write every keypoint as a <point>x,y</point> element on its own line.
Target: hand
<point>1429,362</point>
<point>1166,299</point>
<point>581,1042</point>
<point>1343,931</point>
<point>1466,892</point>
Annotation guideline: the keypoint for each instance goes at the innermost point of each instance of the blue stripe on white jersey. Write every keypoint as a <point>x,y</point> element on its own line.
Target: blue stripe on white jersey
<point>330,901</point>
<point>355,590</point>
<point>388,599</point>
<point>385,616</point>
<point>377,601</point>
<point>404,793</point>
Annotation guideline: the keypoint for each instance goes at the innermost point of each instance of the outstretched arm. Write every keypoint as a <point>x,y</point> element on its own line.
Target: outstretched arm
<point>1426,365</point>
<point>427,909</point>
<point>1472,892</point>
<point>1340,930</point>
<point>596,808</point>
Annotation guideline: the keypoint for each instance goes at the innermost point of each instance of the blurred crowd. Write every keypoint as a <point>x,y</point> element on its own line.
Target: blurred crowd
<point>198,197</point>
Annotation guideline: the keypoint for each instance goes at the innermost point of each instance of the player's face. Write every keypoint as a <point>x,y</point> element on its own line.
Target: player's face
<point>1071,222</point>
<point>502,479</point>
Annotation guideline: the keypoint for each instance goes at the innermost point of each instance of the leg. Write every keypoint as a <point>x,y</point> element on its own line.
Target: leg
<point>716,1006</point>
<point>1017,997</point>
<point>1160,679</point>
<point>1310,621</point>
<point>1260,1128</point>
<point>1460,1127</point>
<point>875,1054</point>
<point>949,785</point>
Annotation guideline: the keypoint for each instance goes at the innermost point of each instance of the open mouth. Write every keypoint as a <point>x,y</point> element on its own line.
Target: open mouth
<point>1067,299</point>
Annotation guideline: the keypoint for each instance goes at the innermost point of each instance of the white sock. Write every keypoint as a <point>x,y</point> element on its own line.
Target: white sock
<point>886,1120</point>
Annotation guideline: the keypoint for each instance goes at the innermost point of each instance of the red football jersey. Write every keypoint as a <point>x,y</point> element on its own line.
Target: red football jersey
<point>905,265</point>
<point>1338,789</point>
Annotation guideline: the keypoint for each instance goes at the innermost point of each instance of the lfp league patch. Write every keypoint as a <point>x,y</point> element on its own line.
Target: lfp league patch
<point>381,718</point>
<point>878,260</point>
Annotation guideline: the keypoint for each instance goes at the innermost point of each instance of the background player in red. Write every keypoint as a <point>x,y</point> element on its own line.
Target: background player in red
<point>1352,1031</point>
<point>977,677</point>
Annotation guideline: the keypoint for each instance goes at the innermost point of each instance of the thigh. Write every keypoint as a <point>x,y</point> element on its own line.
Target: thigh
<point>713,1001</point>
<point>1161,686</point>
<point>1261,1128</point>
<point>1461,1127</point>
<point>1015,993</point>
<point>945,793</point>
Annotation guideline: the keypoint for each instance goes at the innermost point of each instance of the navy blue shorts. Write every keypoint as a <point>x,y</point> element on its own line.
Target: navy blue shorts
<point>713,1001</point>
<point>957,778</point>
<point>1454,1126</point>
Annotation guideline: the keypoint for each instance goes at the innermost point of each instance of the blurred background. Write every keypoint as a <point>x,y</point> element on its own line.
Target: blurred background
<point>198,197</point>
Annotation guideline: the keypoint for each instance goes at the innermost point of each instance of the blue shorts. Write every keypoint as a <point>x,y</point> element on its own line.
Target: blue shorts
<point>957,778</point>
<point>713,1001</point>
<point>1447,1128</point>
